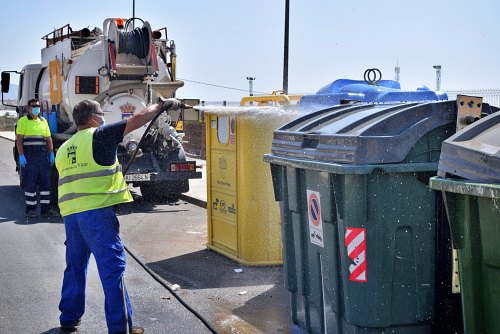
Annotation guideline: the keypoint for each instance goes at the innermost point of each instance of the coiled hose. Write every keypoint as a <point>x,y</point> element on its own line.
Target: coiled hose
<point>135,42</point>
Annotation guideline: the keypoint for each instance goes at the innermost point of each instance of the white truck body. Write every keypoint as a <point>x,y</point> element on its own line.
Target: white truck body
<point>124,69</point>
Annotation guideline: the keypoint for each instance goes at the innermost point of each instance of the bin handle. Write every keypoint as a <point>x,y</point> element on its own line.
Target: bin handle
<point>310,141</point>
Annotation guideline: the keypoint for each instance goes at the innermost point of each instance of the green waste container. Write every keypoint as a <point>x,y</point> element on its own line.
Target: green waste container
<point>473,208</point>
<point>365,249</point>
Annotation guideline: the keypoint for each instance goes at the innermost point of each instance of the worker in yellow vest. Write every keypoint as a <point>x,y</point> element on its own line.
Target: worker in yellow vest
<point>36,155</point>
<point>90,183</point>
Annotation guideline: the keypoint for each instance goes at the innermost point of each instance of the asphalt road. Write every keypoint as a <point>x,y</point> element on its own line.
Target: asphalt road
<point>169,237</point>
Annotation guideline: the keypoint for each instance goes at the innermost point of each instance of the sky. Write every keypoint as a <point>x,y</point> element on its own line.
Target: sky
<point>222,42</point>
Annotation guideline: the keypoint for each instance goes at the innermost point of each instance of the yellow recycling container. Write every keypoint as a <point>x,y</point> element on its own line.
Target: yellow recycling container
<point>243,216</point>
<point>273,99</point>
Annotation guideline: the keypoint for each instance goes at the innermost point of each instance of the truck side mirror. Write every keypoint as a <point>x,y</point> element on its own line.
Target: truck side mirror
<point>5,82</point>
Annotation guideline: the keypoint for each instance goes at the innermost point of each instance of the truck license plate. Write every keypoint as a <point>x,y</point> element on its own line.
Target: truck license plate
<point>137,177</point>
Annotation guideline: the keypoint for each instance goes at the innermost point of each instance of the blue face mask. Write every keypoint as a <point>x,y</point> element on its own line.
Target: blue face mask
<point>103,121</point>
<point>35,111</point>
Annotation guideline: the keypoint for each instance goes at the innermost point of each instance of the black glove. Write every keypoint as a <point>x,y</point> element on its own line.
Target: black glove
<point>171,104</point>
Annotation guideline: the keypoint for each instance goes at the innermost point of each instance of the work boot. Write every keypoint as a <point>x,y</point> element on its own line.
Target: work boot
<point>137,330</point>
<point>31,214</point>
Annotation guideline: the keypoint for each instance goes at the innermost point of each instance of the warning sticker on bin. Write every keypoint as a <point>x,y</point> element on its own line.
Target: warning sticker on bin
<point>314,217</point>
<point>355,241</point>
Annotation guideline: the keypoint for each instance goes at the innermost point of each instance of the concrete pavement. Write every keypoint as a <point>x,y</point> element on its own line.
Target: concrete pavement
<point>197,193</point>
<point>8,135</point>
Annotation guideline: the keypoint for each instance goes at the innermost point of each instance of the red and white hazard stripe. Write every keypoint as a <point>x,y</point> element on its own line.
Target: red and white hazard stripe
<point>355,241</point>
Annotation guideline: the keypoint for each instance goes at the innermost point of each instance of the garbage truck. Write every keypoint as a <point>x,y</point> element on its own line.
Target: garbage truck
<point>124,68</point>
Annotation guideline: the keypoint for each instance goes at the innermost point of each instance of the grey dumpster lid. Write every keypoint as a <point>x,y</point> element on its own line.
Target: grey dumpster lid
<point>362,133</point>
<point>474,152</point>
<point>369,133</point>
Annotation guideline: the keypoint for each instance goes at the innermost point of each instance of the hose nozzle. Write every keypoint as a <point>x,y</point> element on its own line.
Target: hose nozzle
<point>172,104</point>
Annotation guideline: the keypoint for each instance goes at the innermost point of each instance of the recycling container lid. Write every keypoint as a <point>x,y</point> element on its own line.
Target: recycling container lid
<point>365,133</point>
<point>474,152</point>
<point>345,90</point>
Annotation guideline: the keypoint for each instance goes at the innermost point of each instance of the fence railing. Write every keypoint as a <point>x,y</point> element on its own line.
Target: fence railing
<point>490,96</point>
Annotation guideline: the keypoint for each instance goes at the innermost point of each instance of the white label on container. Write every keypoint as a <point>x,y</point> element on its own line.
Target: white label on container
<point>223,129</point>
<point>314,217</point>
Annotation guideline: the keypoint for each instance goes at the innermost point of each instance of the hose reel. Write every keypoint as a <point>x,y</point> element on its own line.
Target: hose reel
<point>135,42</point>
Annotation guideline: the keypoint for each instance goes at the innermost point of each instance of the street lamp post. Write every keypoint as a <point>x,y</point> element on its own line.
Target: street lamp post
<point>438,76</point>
<point>285,56</point>
<point>133,14</point>
<point>250,85</point>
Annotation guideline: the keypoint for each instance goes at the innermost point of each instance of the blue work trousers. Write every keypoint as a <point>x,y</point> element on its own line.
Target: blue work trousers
<point>37,174</point>
<point>94,231</point>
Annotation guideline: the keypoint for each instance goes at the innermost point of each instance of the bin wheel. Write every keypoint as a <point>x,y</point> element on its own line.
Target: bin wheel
<point>164,190</point>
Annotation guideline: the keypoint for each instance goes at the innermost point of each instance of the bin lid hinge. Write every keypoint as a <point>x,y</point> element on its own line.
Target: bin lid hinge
<point>455,275</point>
<point>469,110</point>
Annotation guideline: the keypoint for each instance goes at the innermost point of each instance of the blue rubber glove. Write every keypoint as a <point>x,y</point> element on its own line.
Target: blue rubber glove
<point>51,158</point>
<point>22,161</point>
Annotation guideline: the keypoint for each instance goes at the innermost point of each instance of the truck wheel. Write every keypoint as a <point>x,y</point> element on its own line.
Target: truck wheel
<point>164,190</point>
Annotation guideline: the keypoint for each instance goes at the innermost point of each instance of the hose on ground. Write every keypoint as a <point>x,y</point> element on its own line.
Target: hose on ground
<point>165,285</point>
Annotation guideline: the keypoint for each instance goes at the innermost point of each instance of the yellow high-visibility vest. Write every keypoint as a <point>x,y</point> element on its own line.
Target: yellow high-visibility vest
<point>83,184</point>
<point>34,131</point>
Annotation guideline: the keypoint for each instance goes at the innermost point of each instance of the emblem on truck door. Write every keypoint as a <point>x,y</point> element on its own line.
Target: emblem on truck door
<point>127,109</point>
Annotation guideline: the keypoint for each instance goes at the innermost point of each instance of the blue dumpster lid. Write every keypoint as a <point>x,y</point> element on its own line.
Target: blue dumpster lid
<point>342,91</point>
<point>369,133</point>
<point>474,152</point>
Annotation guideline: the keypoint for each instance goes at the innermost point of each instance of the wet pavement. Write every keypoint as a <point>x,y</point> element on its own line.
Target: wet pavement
<point>250,301</point>
<point>170,239</point>
<point>233,297</point>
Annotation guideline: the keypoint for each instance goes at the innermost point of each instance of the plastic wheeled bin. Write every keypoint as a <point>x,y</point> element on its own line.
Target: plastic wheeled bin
<point>243,218</point>
<point>365,250</point>
<point>470,184</point>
